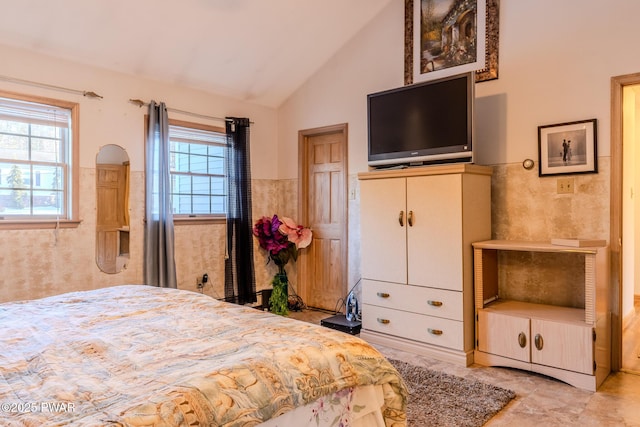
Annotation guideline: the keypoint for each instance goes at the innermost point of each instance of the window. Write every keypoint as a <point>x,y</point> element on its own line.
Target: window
<point>38,161</point>
<point>198,178</point>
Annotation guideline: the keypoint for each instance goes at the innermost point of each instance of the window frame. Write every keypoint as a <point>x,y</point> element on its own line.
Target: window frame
<point>72,220</point>
<point>199,218</point>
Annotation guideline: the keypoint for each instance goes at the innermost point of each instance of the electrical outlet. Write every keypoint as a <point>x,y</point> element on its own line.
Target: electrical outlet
<point>565,186</point>
<point>201,281</point>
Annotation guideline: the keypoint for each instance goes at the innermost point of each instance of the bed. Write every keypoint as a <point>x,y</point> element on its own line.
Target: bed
<point>136,355</point>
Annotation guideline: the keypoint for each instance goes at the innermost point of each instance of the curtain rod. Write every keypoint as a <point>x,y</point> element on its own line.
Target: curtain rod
<point>141,103</point>
<point>86,93</point>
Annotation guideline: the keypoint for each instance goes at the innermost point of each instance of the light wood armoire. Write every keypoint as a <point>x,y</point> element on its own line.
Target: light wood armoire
<point>417,227</point>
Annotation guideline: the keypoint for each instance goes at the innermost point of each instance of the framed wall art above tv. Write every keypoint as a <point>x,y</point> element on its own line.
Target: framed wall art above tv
<point>448,37</point>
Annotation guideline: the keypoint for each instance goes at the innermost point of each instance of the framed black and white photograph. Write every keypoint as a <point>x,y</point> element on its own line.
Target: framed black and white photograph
<point>447,37</point>
<point>568,148</point>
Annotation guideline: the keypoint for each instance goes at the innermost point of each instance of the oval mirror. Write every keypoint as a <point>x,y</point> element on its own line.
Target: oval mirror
<point>112,198</point>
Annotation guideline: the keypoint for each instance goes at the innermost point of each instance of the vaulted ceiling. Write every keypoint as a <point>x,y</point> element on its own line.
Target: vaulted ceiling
<point>258,51</point>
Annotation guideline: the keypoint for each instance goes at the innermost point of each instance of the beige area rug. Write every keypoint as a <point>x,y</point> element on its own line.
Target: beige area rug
<point>439,399</point>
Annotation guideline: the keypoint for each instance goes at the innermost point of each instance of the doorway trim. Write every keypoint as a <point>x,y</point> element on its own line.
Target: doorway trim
<point>616,245</point>
<point>303,192</point>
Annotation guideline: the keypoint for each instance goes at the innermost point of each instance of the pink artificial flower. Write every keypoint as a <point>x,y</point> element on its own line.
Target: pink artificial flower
<point>296,234</point>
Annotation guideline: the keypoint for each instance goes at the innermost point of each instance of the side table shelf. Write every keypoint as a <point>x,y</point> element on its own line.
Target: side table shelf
<point>572,344</point>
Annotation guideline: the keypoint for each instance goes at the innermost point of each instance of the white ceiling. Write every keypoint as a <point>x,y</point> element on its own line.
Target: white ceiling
<point>258,51</point>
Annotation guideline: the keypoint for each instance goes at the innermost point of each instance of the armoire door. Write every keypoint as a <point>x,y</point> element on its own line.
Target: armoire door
<point>504,335</point>
<point>562,345</point>
<point>434,233</point>
<point>383,229</point>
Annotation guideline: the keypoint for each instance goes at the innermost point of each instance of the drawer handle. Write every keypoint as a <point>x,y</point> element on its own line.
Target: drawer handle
<point>383,295</point>
<point>538,341</point>
<point>522,339</point>
<point>434,331</point>
<point>383,321</point>
<point>435,303</point>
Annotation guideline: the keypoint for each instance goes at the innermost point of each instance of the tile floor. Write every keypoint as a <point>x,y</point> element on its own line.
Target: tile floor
<point>631,342</point>
<point>540,401</point>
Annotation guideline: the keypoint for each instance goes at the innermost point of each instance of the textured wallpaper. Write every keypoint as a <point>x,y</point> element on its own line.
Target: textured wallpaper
<point>528,207</point>
<point>38,263</point>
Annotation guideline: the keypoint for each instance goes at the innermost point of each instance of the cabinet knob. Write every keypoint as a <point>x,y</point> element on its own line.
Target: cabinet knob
<point>522,339</point>
<point>435,303</point>
<point>383,321</point>
<point>410,219</point>
<point>401,218</point>
<point>383,295</point>
<point>434,331</point>
<point>538,341</point>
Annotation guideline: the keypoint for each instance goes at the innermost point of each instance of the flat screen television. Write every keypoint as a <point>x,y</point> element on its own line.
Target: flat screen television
<point>424,123</point>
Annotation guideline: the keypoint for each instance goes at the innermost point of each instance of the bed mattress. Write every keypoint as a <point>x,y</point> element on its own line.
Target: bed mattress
<point>136,355</point>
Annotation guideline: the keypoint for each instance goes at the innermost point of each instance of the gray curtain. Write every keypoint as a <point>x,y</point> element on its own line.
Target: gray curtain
<point>159,264</point>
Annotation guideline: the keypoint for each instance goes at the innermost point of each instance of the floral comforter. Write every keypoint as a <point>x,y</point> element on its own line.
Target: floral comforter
<point>137,355</point>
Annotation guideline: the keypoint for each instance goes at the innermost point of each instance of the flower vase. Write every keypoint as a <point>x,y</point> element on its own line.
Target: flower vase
<point>279,301</point>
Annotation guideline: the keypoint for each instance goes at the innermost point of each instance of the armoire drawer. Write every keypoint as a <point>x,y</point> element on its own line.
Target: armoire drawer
<point>416,299</point>
<point>428,329</point>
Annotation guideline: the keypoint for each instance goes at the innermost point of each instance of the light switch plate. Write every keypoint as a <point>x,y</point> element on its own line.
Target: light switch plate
<point>565,185</point>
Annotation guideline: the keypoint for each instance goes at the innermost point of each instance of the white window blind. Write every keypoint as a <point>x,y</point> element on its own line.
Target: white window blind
<point>198,178</point>
<point>35,160</point>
